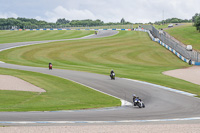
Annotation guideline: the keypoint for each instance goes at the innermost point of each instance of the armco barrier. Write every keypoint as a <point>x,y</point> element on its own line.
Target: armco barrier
<point>173,43</point>
<point>168,47</point>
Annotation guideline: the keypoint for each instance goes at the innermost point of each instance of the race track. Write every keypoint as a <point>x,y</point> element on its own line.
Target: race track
<point>160,103</point>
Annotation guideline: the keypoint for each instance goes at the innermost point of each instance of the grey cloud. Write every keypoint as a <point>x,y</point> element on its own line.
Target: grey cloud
<point>106,10</point>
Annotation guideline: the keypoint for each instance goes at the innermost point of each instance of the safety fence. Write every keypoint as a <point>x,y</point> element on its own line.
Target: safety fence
<point>191,57</point>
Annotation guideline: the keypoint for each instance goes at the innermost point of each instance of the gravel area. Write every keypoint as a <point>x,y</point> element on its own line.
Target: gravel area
<point>12,83</point>
<point>190,74</point>
<point>161,128</point>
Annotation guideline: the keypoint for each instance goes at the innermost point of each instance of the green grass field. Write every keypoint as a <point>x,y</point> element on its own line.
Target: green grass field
<point>131,55</point>
<point>60,94</point>
<point>161,26</point>
<point>187,34</point>
<point>25,36</point>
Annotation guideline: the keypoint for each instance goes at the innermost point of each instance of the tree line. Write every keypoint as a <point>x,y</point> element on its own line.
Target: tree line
<point>195,20</point>
<point>26,23</point>
<point>173,20</point>
<point>22,23</point>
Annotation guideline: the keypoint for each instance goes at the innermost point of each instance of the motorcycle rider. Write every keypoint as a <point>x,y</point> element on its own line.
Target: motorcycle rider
<point>50,66</point>
<point>135,98</point>
<point>112,72</point>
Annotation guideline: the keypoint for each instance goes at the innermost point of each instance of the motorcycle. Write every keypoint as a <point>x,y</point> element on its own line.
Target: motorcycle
<point>95,32</point>
<point>50,66</point>
<point>112,76</point>
<point>139,103</point>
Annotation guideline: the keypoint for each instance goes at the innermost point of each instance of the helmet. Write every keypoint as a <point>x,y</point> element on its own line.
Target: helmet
<point>134,95</point>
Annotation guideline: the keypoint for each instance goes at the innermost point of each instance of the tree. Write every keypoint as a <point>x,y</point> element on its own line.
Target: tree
<point>122,21</point>
<point>194,17</point>
<point>62,21</point>
<point>197,22</point>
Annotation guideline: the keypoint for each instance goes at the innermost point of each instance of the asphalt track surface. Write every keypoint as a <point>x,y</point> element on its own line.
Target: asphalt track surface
<point>160,103</point>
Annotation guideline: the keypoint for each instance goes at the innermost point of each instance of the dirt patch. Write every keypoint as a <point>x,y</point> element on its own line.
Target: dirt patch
<point>12,83</point>
<point>191,74</point>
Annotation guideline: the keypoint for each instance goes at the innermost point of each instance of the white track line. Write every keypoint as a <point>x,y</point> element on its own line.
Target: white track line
<point>99,122</point>
<point>163,87</point>
<point>21,46</point>
<point>43,42</point>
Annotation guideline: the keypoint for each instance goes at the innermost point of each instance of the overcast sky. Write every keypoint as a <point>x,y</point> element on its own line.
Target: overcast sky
<point>107,10</point>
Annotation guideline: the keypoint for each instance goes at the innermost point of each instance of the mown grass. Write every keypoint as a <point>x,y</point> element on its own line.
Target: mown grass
<point>187,34</point>
<point>24,36</point>
<point>60,94</point>
<point>161,26</point>
<point>131,55</point>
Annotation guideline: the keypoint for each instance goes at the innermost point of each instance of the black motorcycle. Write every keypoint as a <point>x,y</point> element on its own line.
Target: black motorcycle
<point>112,76</point>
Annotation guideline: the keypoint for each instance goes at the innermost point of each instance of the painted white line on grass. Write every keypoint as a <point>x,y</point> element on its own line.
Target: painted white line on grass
<point>163,87</point>
<point>2,62</point>
<point>99,122</point>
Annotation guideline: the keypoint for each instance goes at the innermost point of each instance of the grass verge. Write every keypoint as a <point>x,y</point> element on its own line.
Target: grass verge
<point>25,36</point>
<point>61,94</point>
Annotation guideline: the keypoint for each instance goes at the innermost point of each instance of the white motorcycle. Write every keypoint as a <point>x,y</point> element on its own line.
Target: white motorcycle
<point>139,103</point>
